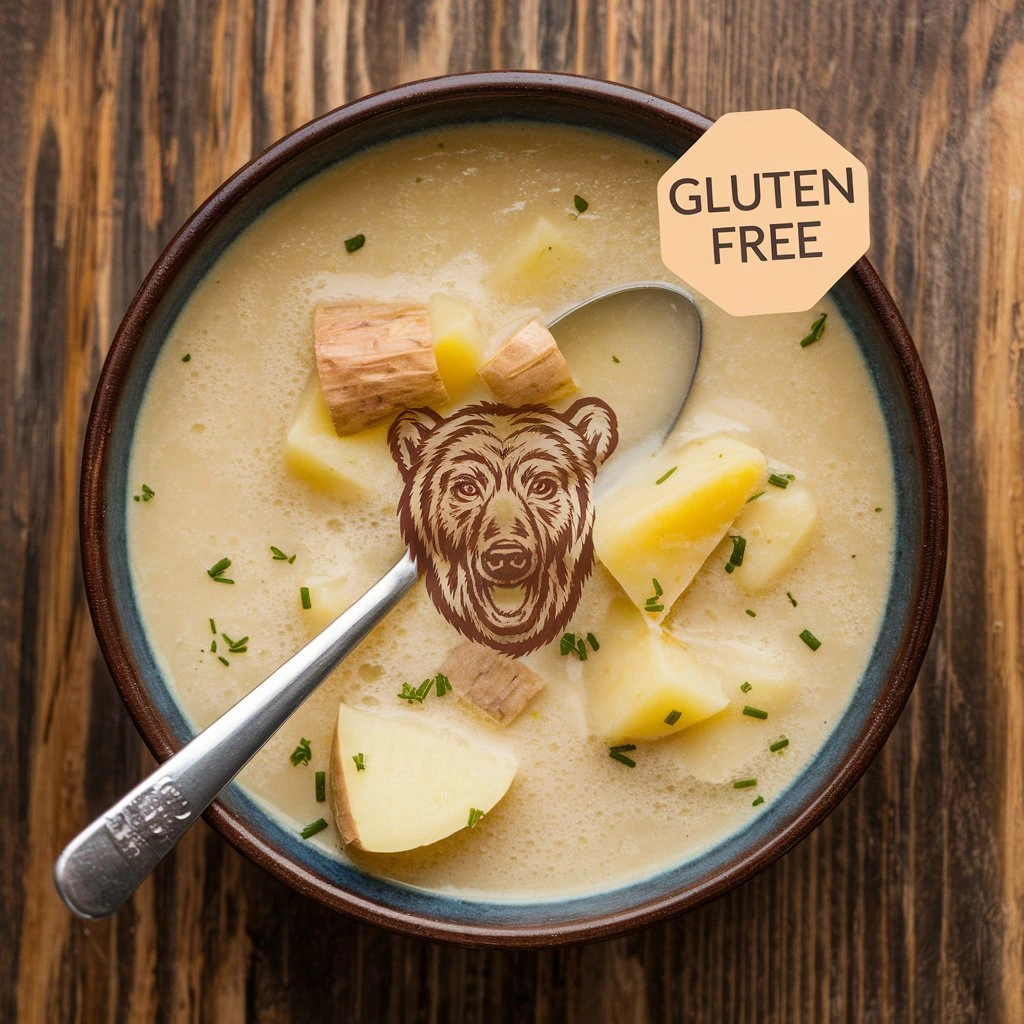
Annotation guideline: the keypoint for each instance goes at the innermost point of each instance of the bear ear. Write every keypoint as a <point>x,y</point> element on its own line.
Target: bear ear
<point>407,434</point>
<point>595,420</point>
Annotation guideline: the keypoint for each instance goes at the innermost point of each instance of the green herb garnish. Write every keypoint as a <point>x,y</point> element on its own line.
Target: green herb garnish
<point>580,203</point>
<point>302,754</point>
<point>320,786</point>
<point>792,599</point>
<point>752,613</point>
<point>213,627</point>
<point>475,814</point>
<point>810,639</point>
<point>304,598</point>
<point>653,603</point>
<point>777,480</point>
<point>354,243</point>
<point>816,331</point>
<point>213,646</point>
<point>619,754</point>
<point>758,800</point>
<point>673,716</point>
<point>661,479</point>
<point>280,556</point>
<point>442,684</point>
<point>313,827</point>
<point>744,783</point>
<point>223,660</point>
<point>878,508</point>
<point>615,359</point>
<point>746,687</point>
<point>592,640</point>
<point>186,357</point>
<point>360,762</point>
<point>237,646</point>
<point>147,494</point>
<point>416,694</point>
<point>574,643</point>
<point>754,712</point>
<point>779,745</point>
<point>216,571</point>
<point>754,497</point>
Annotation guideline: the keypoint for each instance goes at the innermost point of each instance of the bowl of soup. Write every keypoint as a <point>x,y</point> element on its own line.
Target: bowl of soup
<point>344,351</point>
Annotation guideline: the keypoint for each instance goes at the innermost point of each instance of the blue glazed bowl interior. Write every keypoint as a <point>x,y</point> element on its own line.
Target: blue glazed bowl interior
<point>832,760</point>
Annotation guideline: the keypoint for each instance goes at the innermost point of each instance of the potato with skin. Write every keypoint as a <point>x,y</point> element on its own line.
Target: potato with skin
<point>665,518</point>
<point>417,782</point>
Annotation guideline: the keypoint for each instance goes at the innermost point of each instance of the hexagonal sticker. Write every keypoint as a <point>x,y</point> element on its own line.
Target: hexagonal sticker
<point>764,213</point>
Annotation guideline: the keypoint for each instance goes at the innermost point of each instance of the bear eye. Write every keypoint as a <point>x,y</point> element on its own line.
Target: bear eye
<point>466,489</point>
<point>543,487</point>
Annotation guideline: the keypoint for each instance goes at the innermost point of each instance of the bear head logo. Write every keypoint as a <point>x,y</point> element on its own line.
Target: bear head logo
<point>497,510</point>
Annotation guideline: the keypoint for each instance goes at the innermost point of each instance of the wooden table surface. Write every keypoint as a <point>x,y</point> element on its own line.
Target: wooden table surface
<point>908,903</point>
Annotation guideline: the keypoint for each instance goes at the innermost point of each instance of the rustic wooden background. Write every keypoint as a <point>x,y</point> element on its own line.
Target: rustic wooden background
<point>118,118</point>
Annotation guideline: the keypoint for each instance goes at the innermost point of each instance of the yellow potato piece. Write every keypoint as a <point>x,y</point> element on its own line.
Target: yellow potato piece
<point>458,344</point>
<point>328,599</point>
<point>535,260</point>
<point>723,746</point>
<point>778,528</point>
<point>351,467</point>
<point>642,676</point>
<point>418,783</point>
<point>646,531</point>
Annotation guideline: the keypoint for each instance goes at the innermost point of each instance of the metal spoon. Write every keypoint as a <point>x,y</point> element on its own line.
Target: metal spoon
<point>102,866</point>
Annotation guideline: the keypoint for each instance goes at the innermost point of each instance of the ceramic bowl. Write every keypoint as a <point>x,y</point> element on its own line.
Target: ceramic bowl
<point>909,616</point>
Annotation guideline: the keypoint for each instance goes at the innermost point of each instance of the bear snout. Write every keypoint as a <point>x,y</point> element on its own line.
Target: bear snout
<point>507,562</point>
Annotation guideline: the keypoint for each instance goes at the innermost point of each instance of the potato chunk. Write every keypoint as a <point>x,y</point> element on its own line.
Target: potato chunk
<point>645,530</point>
<point>354,466</point>
<point>643,684</point>
<point>328,598</point>
<point>458,343</point>
<point>535,261</point>
<point>374,360</point>
<point>528,367</point>
<point>778,528</point>
<point>417,783</point>
<point>498,686</point>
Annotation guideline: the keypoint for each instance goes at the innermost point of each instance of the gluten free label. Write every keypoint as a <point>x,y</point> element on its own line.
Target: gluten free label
<point>764,213</point>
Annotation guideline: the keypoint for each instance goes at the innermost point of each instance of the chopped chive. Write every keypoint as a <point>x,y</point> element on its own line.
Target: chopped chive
<point>619,754</point>
<point>217,569</point>
<point>313,827</point>
<point>816,331</point>
<point>304,597</point>
<point>302,754</point>
<point>320,786</point>
<point>147,493</point>
<point>213,627</point>
<point>792,599</point>
<point>752,613</point>
<point>442,684</point>
<point>654,608</point>
<point>653,604</point>
<point>754,497</point>
<point>777,480</point>
<point>360,762</point>
<point>746,687</point>
<point>135,497</point>
<point>810,639</point>
<point>414,694</point>
<point>475,814</point>
<point>581,649</point>
<point>744,783</point>
<point>567,644</point>
<point>878,508</point>
<point>580,203</point>
<point>186,357</point>
<point>592,640</point>
<point>222,579</point>
<point>673,716</point>
<point>657,588</point>
<point>754,712</point>
<point>223,660</point>
<point>664,476</point>
<point>758,800</point>
<point>729,567</point>
<point>615,359</point>
<point>280,556</point>
<point>213,646</point>
<point>779,745</point>
<point>739,546</point>
<point>355,242</point>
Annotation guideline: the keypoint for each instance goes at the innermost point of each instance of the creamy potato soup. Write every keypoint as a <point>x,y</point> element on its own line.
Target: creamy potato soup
<point>739,570</point>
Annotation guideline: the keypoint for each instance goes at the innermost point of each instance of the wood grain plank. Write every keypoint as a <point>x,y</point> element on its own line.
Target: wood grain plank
<point>908,904</point>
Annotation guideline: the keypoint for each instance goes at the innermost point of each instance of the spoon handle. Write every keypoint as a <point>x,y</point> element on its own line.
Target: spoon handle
<point>102,866</point>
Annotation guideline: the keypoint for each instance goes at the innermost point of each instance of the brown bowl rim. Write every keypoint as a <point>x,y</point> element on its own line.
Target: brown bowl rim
<point>116,650</point>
